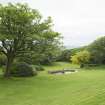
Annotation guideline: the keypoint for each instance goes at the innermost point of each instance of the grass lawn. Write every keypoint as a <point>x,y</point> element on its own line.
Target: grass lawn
<point>86,87</point>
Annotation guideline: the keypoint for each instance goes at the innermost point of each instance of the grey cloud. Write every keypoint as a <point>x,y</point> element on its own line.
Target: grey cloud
<point>79,21</point>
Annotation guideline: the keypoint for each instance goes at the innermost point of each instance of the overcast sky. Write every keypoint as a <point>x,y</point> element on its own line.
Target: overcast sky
<point>79,21</point>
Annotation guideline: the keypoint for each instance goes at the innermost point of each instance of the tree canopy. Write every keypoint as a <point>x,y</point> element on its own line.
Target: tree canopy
<point>97,50</point>
<point>22,30</point>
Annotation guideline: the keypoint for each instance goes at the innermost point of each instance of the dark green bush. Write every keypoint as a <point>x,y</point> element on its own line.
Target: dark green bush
<point>39,68</point>
<point>22,69</point>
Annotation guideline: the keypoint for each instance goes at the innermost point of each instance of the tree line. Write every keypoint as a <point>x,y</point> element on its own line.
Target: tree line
<point>94,53</point>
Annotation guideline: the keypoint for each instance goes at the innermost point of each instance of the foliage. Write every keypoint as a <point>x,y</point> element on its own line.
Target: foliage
<point>43,53</point>
<point>22,31</point>
<point>47,48</point>
<point>65,55</point>
<point>97,50</point>
<point>81,58</point>
<point>22,69</point>
<point>25,57</point>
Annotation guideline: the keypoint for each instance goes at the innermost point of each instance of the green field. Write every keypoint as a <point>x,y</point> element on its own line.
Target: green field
<point>86,87</point>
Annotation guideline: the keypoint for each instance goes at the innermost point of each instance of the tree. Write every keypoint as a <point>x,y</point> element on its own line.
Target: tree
<point>45,50</point>
<point>21,28</point>
<point>48,46</point>
<point>81,58</point>
<point>65,55</point>
<point>97,50</point>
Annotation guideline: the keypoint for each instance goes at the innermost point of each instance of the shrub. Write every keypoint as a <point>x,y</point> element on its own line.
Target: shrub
<point>81,58</point>
<point>39,68</point>
<point>22,69</point>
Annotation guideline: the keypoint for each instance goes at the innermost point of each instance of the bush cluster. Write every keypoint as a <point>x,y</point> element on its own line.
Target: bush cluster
<point>22,69</point>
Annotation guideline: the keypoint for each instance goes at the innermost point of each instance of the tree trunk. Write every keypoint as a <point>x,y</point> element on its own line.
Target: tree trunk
<point>7,73</point>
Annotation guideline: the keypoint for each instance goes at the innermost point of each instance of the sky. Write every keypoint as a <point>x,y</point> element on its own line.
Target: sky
<point>79,21</point>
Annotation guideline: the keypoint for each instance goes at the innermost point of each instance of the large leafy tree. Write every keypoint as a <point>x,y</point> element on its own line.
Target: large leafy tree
<point>45,49</point>
<point>21,28</point>
<point>97,50</point>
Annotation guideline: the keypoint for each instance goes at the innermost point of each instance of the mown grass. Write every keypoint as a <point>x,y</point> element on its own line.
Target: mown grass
<point>86,87</point>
